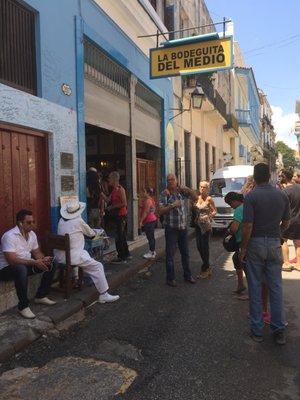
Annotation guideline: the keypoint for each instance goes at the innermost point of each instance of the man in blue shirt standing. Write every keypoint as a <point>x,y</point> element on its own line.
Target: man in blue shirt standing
<point>266,215</point>
<point>174,210</point>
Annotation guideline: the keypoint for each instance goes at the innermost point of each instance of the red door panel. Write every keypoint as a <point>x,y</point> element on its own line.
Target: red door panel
<point>6,209</point>
<point>24,179</point>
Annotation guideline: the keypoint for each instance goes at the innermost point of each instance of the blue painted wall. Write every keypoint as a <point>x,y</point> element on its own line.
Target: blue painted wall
<point>60,28</point>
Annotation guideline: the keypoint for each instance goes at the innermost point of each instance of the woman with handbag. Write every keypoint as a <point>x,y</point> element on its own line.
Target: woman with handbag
<point>235,200</point>
<point>204,210</point>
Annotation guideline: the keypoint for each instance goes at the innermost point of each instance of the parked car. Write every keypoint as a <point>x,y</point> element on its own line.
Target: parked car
<point>225,180</point>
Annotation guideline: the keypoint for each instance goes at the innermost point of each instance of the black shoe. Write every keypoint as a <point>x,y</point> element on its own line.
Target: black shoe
<point>256,338</point>
<point>172,283</point>
<point>280,338</point>
<point>190,280</point>
<point>117,261</point>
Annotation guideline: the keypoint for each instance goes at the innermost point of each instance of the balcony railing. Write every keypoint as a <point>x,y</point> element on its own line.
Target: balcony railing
<point>245,118</point>
<point>208,88</point>
<point>232,123</point>
<point>220,104</point>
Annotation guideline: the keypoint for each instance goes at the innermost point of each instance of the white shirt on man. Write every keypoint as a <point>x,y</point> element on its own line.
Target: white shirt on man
<point>14,242</point>
<point>77,229</point>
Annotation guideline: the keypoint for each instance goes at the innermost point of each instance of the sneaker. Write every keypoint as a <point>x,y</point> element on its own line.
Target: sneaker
<point>279,338</point>
<point>150,255</point>
<point>107,298</point>
<point>27,313</point>
<point>267,318</point>
<point>45,301</point>
<point>129,258</point>
<point>147,255</point>
<point>117,260</point>
<point>256,338</point>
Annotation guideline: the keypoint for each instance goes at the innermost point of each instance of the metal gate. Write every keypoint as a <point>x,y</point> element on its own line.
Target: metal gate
<point>24,181</point>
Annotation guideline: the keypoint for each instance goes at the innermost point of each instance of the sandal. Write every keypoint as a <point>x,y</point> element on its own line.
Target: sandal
<point>239,290</point>
<point>287,268</point>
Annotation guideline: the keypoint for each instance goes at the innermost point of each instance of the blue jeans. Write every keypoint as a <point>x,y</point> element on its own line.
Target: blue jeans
<point>149,229</point>
<point>19,274</point>
<point>174,236</point>
<point>264,260</point>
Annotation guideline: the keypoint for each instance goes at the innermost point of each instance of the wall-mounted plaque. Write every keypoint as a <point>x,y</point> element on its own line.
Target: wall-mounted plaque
<point>66,160</point>
<point>67,183</point>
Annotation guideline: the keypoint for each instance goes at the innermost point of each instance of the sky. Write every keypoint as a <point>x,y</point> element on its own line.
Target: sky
<point>269,35</point>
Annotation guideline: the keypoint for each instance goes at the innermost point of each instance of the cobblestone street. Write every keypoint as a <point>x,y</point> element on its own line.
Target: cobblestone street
<point>189,342</point>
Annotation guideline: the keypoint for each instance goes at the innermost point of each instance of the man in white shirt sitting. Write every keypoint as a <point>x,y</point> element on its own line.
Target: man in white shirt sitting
<point>21,256</point>
<point>71,223</point>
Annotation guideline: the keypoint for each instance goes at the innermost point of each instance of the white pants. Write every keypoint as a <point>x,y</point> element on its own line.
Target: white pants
<point>96,271</point>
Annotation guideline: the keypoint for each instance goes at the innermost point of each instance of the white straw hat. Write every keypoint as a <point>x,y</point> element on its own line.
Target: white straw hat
<point>72,209</point>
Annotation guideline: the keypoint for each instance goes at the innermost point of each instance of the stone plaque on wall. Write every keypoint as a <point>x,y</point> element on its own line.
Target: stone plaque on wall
<point>66,160</point>
<point>67,183</point>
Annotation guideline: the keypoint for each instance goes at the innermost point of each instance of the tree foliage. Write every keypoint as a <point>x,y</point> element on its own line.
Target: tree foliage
<point>288,154</point>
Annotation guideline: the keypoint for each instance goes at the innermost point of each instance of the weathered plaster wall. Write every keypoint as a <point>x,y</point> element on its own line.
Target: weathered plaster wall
<point>17,107</point>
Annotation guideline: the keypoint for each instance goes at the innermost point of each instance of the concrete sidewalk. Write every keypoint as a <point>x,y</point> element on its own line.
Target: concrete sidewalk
<point>16,332</point>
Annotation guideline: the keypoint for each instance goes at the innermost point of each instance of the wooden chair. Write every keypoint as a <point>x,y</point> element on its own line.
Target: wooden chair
<point>62,242</point>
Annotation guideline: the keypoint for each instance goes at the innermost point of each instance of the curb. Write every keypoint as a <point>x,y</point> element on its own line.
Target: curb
<point>64,310</point>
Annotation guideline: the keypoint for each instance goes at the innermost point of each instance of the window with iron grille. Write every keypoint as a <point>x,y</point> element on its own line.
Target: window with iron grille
<point>17,46</point>
<point>198,161</point>
<point>207,172</point>
<point>187,157</point>
<point>147,100</point>
<point>105,72</point>
<point>214,158</point>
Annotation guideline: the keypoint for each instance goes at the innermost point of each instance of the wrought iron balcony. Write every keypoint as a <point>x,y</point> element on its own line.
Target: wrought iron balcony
<point>211,94</point>
<point>232,123</point>
<point>207,87</point>
<point>245,118</point>
<point>220,104</point>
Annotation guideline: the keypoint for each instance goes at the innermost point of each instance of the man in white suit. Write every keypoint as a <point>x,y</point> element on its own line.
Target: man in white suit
<point>71,223</point>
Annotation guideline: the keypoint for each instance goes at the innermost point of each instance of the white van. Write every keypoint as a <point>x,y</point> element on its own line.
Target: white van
<point>225,180</point>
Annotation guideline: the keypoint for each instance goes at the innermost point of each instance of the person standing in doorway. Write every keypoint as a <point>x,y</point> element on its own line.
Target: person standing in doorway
<point>174,210</point>
<point>292,191</point>
<point>205,211</point>
<point>93,197</point>
<point>117,213</point>
<point>261,246</point>
<point>148,220</point>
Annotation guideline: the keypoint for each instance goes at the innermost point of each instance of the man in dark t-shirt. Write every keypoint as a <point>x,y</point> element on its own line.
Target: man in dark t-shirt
<point>292,191</point>
<point>266,213</point>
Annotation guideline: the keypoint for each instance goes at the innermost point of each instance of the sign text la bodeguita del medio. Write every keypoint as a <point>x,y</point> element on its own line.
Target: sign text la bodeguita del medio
<point>204,56</point>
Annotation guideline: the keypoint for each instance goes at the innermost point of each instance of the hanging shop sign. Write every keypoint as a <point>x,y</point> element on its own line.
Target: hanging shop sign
<point>193,58</point>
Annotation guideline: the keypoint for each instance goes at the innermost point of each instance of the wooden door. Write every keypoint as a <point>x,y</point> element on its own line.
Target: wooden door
<point>141,169</point>
<point>24,181</point>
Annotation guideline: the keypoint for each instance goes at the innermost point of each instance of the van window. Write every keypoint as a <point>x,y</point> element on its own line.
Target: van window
<point>220,187</point>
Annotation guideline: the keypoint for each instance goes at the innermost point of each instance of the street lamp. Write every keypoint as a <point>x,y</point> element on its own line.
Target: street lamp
<point>197,97</point>
<point>196,101</point>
